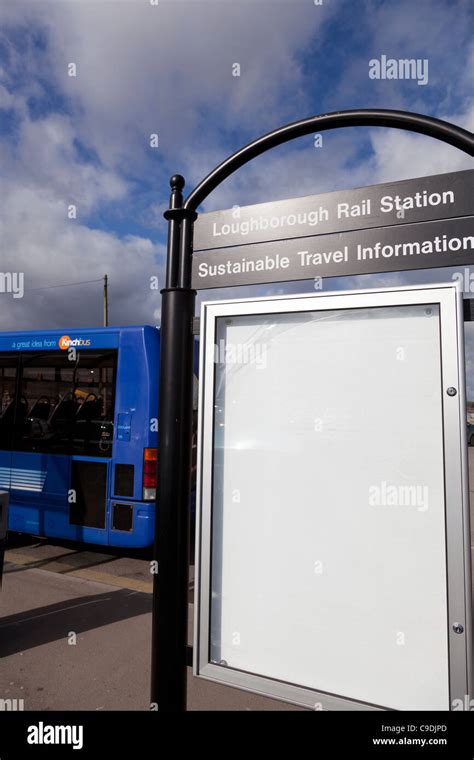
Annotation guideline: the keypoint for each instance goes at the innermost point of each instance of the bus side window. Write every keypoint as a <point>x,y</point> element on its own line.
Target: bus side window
<point>68,406</point>
<point>95,390</point>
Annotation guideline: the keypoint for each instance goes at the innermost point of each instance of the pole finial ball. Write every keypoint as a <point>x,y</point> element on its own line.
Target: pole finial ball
<point>177,182</point>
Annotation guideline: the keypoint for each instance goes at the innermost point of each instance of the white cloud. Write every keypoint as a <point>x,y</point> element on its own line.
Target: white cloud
<point>39,240</point>
<point>143,69</point>
<point>140,69</point>
<point>402,154</point>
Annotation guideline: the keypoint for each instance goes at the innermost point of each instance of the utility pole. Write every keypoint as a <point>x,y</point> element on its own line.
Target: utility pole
<point>106,301</point>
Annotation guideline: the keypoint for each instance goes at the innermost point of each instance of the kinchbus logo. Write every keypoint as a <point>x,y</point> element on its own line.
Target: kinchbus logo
<point>66,342</point>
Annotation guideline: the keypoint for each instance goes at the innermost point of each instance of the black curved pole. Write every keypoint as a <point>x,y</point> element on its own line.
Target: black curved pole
<point>170,587</point>
<point>412,122</point>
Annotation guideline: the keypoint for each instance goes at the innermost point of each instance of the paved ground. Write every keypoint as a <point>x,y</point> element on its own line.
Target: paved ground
<point>129,569</point>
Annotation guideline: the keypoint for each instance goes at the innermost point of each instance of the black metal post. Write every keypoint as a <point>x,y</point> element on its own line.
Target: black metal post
<point>170,587</point>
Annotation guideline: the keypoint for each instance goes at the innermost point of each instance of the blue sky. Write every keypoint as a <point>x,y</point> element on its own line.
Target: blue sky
<point>166,69</point>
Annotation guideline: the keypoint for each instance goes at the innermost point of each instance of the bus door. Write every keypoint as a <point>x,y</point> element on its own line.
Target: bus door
<point>63,444</point>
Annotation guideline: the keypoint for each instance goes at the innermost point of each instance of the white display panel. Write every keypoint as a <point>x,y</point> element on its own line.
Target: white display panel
<point>328,534</point>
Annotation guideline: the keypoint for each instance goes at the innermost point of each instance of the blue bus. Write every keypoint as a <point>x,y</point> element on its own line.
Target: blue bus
<point>78,433</point>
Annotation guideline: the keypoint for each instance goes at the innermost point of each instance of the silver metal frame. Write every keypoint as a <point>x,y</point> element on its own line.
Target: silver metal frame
<point>449,298</point>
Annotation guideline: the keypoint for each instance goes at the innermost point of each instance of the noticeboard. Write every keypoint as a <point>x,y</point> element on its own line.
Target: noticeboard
<point>333,566</point>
